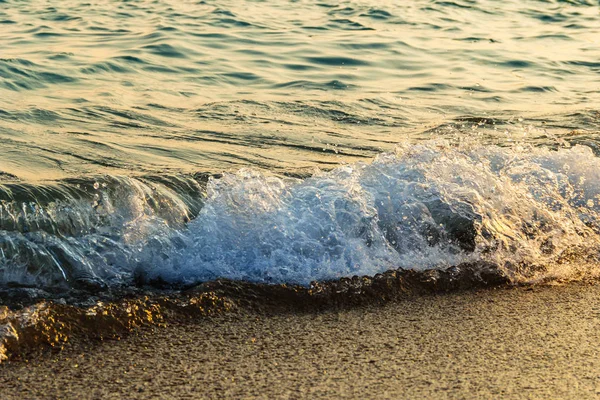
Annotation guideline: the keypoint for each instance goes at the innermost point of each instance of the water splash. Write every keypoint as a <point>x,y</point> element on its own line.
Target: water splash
<point>531,211</point>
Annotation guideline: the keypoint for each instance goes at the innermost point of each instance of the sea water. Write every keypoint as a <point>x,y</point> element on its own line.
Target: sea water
<point>296,141</point>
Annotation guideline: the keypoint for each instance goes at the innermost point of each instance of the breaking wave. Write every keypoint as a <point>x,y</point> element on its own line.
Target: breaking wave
<point>532,212</point>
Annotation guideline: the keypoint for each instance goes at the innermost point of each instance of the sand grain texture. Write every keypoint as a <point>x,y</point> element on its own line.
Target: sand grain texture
<point>511,343</point>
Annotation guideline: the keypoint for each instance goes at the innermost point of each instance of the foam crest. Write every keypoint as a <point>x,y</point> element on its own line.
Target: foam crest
<point>267,229</point>
<point>531,211</point>
<point>534,212</point>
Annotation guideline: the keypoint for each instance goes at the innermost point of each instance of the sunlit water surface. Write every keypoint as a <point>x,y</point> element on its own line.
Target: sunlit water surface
<point>191,140</point>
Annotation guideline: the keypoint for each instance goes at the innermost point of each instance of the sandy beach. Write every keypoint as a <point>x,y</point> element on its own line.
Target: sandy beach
<point>299,199</point>
<point>540,342</point>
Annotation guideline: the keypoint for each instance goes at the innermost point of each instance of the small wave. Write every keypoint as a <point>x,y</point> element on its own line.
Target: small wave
<point>22,74</point>
<point>532,212</point>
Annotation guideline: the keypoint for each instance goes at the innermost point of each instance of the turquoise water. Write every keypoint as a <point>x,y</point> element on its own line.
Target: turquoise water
<point>291,141</point>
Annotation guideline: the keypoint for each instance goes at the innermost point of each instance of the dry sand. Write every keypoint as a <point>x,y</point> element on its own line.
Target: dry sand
<point>509,343</point>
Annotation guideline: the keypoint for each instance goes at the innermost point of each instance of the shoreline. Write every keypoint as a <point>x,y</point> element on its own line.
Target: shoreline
<point>518,342</point>
<point>34,322</point>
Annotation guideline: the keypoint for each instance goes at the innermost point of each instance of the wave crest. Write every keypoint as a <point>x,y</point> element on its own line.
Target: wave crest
<point>531,211</point>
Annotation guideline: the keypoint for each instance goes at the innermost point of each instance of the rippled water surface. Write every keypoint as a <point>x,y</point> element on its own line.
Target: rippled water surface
<point>288,141</point>
<point>126,87</point>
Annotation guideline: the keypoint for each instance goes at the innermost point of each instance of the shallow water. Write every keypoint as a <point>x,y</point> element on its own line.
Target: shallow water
<point>186,141</point>
<point>151,86</point>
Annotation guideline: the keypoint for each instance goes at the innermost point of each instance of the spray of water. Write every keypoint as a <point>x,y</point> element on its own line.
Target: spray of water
<point>531,211</point>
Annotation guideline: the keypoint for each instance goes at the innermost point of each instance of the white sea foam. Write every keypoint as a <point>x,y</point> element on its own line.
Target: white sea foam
<point>533,211</point>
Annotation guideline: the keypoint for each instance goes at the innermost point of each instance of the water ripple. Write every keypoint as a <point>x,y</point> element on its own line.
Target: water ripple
<point>323,81</point>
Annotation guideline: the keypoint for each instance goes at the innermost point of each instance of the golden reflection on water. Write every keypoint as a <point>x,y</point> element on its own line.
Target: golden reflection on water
<point>175,86</point>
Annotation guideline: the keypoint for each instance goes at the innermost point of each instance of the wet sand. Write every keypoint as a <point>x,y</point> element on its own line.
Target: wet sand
<point>518,343</point>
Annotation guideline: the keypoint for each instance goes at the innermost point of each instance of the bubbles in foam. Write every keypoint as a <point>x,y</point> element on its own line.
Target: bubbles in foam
<point>526,209</point>
<point>532,211</point>
<point>263,228</point>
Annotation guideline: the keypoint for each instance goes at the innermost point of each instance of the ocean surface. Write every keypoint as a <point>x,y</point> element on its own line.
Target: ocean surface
<point>177,142</point>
